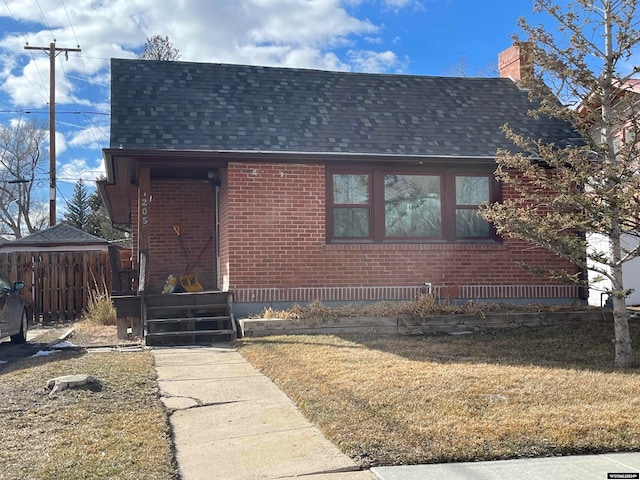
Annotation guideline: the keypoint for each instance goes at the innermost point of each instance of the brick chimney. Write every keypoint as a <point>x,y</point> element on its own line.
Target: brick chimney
<point>516,62</point>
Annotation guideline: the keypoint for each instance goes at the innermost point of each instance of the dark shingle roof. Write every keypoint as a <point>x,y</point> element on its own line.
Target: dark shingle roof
<point>60,233</point>
<point>197,106</point>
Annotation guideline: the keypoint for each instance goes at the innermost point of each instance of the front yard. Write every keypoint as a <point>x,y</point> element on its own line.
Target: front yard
<point>422,399</point>
<point>384,400</point>
<point>117,429</point>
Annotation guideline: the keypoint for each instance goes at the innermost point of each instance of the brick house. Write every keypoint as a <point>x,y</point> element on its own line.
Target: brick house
<point>290,185</point>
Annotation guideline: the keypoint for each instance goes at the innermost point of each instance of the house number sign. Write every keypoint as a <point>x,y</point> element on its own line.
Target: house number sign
<point>144,209</point>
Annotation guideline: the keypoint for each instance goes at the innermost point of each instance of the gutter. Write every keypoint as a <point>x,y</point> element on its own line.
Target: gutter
<point>110,153</point>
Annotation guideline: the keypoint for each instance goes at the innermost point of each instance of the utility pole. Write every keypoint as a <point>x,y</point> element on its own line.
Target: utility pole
<point>53,52</point>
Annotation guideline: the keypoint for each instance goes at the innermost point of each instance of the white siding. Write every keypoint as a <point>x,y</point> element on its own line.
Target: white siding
<point>630,271</point>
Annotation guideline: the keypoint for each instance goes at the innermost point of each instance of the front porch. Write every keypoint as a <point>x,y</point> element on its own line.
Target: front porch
<point>177,318</point>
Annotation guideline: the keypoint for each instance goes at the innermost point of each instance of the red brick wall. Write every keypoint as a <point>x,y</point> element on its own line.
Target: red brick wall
<point>274,224</point>
<point>274,237</point>
<point>189,205</point>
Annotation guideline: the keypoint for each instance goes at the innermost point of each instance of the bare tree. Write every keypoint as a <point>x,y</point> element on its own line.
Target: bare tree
<point>567,193</point>
<point>21,152</point>
<point>462,68</point>
<point>158,47</point>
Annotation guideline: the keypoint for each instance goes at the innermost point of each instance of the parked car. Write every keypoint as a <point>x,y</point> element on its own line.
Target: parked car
<point>13,311</point>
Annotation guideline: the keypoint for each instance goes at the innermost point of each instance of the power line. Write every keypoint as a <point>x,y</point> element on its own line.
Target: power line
<point>14,19</point>
<point>104,134</point>
<point>86,79</point>
<point>84,68</point>
<point>62,195</point>
<point>59,112</point>
<point>70,24</point>
<point>27,43</point>
<point>73,180</point>
<point>44,17</point>
<point>52,111</point>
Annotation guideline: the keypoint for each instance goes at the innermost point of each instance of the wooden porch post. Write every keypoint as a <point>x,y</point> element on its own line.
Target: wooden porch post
<point>144,208</point>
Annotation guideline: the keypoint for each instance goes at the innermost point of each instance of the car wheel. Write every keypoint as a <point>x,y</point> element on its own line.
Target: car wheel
<point>21,337</point>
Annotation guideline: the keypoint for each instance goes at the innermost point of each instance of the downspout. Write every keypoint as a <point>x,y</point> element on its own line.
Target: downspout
<point>217,233</point>
<point>214,178</point>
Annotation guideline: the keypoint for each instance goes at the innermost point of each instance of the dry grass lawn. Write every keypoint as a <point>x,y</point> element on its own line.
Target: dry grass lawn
<point>116,430</point>
<point>390,400</point>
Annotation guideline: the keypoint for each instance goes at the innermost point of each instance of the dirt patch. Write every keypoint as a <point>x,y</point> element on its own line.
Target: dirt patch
<point>85,335</point>
<point>82,334</point>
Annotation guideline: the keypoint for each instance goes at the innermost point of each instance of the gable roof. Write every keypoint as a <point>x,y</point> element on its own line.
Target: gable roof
<point>57,235</point>
<point>160,105</point>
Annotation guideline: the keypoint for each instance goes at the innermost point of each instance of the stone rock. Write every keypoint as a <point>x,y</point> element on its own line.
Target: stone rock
<point>69,381</point>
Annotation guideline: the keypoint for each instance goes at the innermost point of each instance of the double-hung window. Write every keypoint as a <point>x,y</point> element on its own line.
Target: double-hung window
<point>382,204</point>
<point>351,193</point>
<point>471,192</point>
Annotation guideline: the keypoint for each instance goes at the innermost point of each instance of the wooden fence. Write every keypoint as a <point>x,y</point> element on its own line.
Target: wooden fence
<point>58,284</point>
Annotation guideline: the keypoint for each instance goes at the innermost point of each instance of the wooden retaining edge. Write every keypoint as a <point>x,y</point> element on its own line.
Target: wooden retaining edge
<point>256,327</point>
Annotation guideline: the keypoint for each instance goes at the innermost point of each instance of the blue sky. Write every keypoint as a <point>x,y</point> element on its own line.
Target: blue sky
<point>422,37</point>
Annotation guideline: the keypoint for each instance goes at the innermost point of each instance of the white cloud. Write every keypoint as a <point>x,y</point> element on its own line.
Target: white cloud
<point>79,168</point>
<point>372,62</point>
<point>267,32</point>
<point>94,137</point>
<point>61,143</point>
<point>397,5</point>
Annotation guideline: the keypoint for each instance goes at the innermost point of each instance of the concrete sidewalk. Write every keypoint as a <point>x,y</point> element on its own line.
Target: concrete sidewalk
<point>579,467</point>
<point>230,422</point>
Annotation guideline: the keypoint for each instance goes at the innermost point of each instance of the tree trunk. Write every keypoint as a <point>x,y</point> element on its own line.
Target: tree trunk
<point>623,351</point>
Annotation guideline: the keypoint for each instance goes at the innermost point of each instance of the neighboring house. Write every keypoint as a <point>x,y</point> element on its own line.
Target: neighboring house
<point>598,291</point>
<point>290,185</point>
<point>61,237</point>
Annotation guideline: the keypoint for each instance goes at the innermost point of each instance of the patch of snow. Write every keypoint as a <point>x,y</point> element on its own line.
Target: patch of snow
<point>44,353</point>
<point>63,344</point>
<point>3,361</point>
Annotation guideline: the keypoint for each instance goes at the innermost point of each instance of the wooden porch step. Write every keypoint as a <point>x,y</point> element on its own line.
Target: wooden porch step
<point>211,306</point>
<point>187,299</point>
<point>189,319</point>
<point>191,332</point>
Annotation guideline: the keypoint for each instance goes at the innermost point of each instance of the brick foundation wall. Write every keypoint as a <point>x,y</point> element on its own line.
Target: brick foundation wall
<point>494,293</point>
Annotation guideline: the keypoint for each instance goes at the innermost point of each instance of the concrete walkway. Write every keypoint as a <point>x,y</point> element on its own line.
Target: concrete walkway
<point>230,422</point>
<point>591,467</point>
